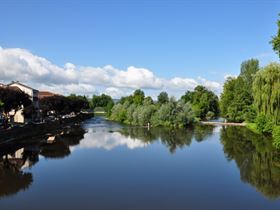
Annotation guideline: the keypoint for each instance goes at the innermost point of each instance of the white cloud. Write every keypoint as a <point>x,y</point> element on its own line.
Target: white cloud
<point>117,92</point>
<point>21,65</point>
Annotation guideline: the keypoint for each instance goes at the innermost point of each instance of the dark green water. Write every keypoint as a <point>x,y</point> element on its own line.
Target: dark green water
<point>103,165</point>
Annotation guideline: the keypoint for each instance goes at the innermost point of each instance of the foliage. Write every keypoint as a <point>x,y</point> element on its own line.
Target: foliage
<point>237,102</point>
<point>276,137</point>
<point>104,101</point>
<point>264,124</point>
<point>63,105</point>
<point>253,127</point>
<point>266,90</point>
<point>136,110</point>
<point>118,113</point>
<point>202,101</point>
<point>76,103</point>
<point>163,98</point>
<point>276,40</point>
<point>13,99</point>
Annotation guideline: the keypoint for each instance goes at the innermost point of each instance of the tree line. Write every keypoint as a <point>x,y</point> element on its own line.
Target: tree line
<point>138,109</point>
<point>62,105</point>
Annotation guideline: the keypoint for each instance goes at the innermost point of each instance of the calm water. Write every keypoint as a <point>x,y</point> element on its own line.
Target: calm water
<point>102,165</point>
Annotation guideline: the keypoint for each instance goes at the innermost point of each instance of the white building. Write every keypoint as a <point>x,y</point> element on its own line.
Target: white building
<point>34,97</point>
<point>33,93</point>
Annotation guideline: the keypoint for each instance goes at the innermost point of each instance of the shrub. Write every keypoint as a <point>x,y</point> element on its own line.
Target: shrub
<point>276,137</point>
<point>264,124</point>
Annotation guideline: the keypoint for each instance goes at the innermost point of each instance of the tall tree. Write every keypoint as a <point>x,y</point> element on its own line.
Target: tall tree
<point>203,101</point>
<point>138,97</point>
<point>248,69</point>
<point>163,98</point>
<point>266,90</point>
<point>276,40</point>
<point>237,98</point>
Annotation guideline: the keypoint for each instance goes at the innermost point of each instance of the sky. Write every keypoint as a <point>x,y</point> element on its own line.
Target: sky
<point>117,46</point>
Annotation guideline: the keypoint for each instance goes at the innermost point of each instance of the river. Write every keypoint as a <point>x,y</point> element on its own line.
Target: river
<point>105,165</point>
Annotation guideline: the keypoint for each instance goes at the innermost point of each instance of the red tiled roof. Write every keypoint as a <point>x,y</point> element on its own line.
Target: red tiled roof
<point>44,94</point>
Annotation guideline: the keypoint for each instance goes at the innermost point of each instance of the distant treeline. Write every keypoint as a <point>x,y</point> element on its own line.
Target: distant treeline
<point>137,109</point>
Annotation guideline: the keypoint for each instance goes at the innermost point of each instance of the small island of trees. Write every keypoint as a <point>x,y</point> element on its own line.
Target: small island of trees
<point>137,109</point>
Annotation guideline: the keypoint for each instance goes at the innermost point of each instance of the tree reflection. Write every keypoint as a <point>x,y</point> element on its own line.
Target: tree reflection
<point>12,178</point>
<point>61,147</point>
<point>171,138</point>
<point>15,157</point>
<point>258,161</point>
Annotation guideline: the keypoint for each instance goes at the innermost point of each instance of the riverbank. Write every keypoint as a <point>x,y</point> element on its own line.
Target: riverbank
<point>222,123</point>
<point>30,130</point>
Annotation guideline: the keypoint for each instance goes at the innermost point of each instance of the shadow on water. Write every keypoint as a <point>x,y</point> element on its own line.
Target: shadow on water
<point>257,160</point>
<point>15,158</point>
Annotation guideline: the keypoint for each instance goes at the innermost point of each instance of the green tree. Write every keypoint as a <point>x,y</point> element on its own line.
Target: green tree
<point>104,101</point>
<point>138,97</point>
<point>248,69</point>
<point>266,90</point>
<point>13,99</point>
<point>137,109</point>
<point>202,101</point>
<point>163,98</point>
<point>185,115</point>
<point>130,111</point>
<point>276,40</point>
<point>237,98</point>
<point>148,101</point>
<point>145,114</point>
<point>119,113</point>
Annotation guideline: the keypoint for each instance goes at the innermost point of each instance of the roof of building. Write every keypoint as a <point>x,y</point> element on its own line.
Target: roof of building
<point>18,83</point>
<point>44,94</point>
<point>14,88</point>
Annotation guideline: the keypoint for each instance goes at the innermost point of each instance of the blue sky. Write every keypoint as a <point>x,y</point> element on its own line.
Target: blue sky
<point>185,39</point>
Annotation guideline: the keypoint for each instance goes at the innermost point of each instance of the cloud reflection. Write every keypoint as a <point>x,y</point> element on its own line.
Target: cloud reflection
<point>103,139</point>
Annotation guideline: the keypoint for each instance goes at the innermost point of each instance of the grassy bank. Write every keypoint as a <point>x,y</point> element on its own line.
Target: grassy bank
<point>253,127</point>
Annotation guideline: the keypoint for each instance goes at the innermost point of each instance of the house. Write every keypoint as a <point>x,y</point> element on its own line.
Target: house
<point>34,97</point>
<point>45,94</point>
<point>33,93</point>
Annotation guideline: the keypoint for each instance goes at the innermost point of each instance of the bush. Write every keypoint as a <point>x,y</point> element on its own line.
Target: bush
<point>264,124</point>
<point>276,137</point>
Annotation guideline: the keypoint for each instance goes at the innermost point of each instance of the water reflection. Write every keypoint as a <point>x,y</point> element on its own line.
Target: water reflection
<point>61,148</point>
<point>104,139</point>
<point>12,178</point>
<point>257,160</point>
<point>171,138</point>
<point>17,158</point>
